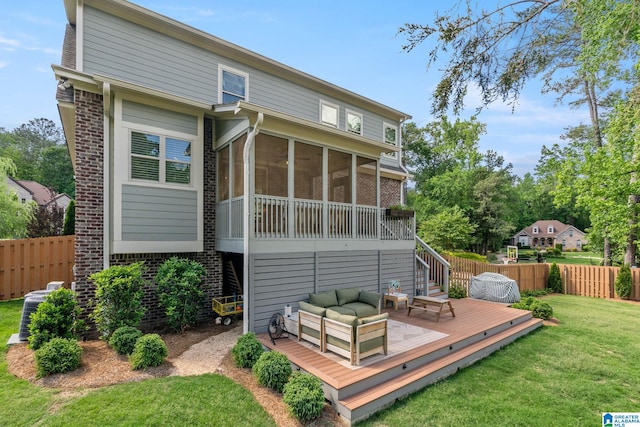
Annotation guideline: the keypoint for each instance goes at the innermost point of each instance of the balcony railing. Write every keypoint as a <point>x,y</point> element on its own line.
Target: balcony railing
<point>285,218</point>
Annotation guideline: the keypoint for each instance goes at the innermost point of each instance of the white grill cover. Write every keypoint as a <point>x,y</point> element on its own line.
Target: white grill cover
<point>494,287</point>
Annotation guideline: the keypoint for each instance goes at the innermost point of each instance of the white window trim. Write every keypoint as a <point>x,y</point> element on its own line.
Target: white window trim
<point>162,157</point>
<point>385,125</point>
<point>346,121</point>
<point>332,105</point>
<point>550,229</point>
<point>228,69</point>
<point>121,167</point>
<point>535,230</point>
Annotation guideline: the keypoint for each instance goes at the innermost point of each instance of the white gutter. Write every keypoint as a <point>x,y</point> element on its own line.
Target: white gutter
<point>247,208</point>
<point>106,157</point>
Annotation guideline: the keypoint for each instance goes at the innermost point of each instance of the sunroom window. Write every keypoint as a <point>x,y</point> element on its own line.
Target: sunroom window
<point>160,158</point>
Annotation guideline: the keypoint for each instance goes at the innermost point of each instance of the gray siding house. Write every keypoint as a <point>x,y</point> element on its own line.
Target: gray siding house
<point>185,144</point>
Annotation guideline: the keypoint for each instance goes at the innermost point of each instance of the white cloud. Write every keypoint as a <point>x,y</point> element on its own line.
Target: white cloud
<point>10,43</point>
<point>3,64</point>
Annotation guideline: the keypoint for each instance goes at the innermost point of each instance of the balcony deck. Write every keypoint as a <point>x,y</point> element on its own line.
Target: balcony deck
<point>479,329</point>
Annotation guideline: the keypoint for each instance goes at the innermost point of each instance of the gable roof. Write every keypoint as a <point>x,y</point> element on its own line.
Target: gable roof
<point>41,194</point>
<point>543,229</point>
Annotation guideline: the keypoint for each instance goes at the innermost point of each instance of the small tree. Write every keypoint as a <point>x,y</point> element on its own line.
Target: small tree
<point>69,226</point>
<point>623,283</point>
<point>118,300</point>
<point>180,291</point>
<point>554,282</point>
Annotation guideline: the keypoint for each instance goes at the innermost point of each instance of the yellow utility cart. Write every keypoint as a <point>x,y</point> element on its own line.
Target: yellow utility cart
<point>227,307</point>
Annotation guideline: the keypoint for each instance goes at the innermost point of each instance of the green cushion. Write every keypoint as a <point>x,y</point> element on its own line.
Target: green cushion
<point>311,332</point>
<point>338,342</point>
<point>342,318</point>
<point>345,296</point>
<point>372,319</point>
<point>371,344</point>
<point>370,298</point>
<point>310,308</point>
<point>324,299</point>
<point>361,309</point>
<point>343,310</point>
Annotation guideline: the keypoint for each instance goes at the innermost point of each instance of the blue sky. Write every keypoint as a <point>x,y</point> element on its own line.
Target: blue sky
<point>350,44</point>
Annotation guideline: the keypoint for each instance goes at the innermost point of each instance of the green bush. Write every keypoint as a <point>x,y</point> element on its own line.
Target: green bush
<point>304,396</point>
<point>123,339</point>
<point>180,291</point>
<point>541,310</point>
<point>272,370</point>
<point>149,351</point>
<point>469,255</point>
<point>57,356</point>
<point>69,224</point>
<point>623,283</point>
<point>118,299</point>
<point>554,282</point>
<point>58,316</point>
<point>534,293</point>
<point>457,291</point>
<point>247,351</point>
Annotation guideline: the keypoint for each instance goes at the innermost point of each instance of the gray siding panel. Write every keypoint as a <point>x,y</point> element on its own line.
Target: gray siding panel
<point>160,118</point>
<point>158,214</point>
<point>133,53</point>
<point>288,278</point>
<point>119,48</point>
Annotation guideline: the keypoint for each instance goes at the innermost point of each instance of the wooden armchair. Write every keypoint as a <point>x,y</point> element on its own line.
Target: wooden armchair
<point>356,340</point>
<point>311,328</point>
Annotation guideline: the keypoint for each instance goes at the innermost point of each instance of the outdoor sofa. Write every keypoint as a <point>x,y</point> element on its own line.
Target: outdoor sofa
<point>358,305</point>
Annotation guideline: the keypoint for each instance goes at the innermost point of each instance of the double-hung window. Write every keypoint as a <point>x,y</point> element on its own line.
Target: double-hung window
<point>390,134</point>
<point>328,114</point>
<point>160,158</point>
<point>233,85</point>
<point>354,122</point>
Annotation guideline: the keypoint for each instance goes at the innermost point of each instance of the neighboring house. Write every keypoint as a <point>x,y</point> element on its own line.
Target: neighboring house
<point>546,234</point>
<point>43,196</point>
<point>185,144</point>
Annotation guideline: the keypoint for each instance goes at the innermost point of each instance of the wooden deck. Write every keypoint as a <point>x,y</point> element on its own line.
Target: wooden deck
<point>479,329</point>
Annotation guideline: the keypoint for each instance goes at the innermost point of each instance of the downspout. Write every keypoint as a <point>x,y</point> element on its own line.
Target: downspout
<point>246,157</point>
<point>106,156</point>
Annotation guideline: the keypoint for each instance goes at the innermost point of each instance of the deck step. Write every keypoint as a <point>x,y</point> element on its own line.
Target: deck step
<point>361,405</point>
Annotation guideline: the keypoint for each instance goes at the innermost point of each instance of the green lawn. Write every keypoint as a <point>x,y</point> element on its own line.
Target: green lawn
<point>204,400</point>
<point>564,375</point>
<point>580,258</point>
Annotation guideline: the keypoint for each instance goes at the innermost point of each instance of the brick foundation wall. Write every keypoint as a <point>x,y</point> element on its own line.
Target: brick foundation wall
<point>89,248</point>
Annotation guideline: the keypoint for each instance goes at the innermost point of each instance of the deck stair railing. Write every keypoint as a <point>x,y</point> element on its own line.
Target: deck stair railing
<point>435,279</point>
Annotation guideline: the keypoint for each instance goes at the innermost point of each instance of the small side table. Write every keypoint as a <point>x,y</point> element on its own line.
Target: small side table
<point>395,298</point>
<point>291,323</point>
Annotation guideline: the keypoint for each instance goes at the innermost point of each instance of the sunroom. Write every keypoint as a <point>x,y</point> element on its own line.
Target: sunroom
<point>309,185</point>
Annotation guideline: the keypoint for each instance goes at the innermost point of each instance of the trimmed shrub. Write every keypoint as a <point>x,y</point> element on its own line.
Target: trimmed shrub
<point>623,283</point>
<point>534,293</point>
<point>69,225</point>
<point>457,291</point>
<point>541,310</point>
<point>554,282</point>
<point>150,350</point>
<point>57,356</point>
<point>247,351</point>
<point>58,316</point>
<point>118,300</point>
<point>303,394</point>
<point>180,291</point>
<point>272,370</point>
<point>123,339</point>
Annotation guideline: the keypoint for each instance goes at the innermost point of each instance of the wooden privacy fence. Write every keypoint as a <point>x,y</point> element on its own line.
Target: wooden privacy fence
<point>584,280</point>
<point>29,264</point>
